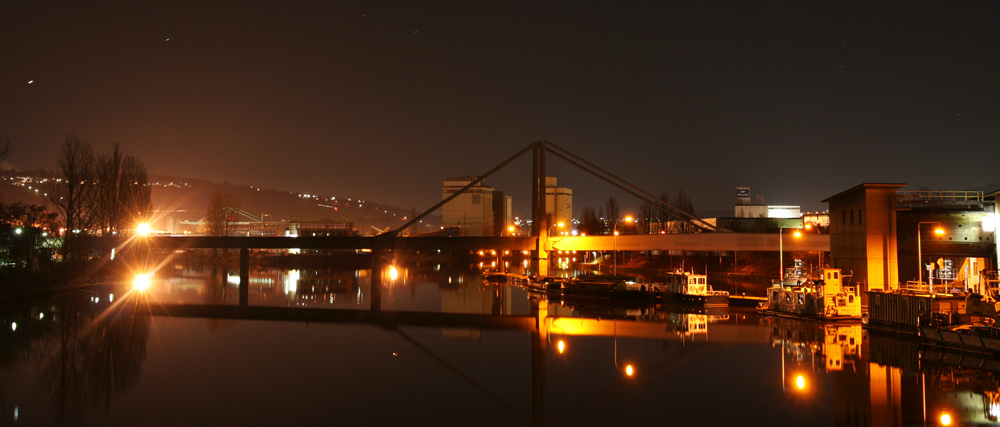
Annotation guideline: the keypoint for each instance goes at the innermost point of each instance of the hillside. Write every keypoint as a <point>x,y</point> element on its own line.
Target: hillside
<point>181,199</point>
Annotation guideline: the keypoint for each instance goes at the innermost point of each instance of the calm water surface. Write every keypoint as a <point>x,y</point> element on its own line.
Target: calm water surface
<point>99,358</point>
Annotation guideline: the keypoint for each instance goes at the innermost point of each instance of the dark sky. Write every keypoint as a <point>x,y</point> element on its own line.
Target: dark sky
<point>382,100</point>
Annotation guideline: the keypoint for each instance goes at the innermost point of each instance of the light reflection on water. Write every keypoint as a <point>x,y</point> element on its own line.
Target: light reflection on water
<point>99,362</point>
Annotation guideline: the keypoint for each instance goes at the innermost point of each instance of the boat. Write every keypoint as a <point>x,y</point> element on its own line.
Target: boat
<point>611,288</point>
<point>957,320</point>
<point>689,288</point>
<point>822,296</point>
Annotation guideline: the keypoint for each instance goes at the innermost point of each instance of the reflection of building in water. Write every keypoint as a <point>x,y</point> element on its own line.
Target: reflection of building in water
<point>457,297</point>
<point>691,324</point>
<point>300,287</point>
<point>902,385</point>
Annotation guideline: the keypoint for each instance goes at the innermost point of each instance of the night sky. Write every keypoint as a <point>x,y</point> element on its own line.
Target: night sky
<point>383,100</point>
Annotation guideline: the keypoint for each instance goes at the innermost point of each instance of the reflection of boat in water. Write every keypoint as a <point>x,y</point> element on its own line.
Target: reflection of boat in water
<point>823,297</point>
<point>836,344</point>
<point>688,288</point>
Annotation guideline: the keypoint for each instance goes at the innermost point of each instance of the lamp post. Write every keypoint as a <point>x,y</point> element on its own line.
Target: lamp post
<point>920,257</point>
<point>781,254</point>
<point>559,224</point>
<point>614,253</point>
<point>510,233</point>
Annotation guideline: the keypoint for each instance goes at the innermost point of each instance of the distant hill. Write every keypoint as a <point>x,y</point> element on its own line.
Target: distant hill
<point>178,199</point>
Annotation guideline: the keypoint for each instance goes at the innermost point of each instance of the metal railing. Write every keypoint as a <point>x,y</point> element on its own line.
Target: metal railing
<point>938,198</point>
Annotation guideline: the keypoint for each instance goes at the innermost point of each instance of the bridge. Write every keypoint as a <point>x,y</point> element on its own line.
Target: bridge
<point>707,238</point>
<point>629,242</point>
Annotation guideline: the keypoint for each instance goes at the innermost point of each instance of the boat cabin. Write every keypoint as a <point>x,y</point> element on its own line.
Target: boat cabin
<point>687,283</point>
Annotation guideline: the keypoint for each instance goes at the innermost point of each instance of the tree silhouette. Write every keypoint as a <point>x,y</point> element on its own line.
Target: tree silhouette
<point>73,192</point>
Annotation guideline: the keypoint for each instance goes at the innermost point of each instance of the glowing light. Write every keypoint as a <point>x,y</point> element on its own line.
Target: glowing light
<point>945,419</point>
<point>629,370</point>
<point>938,231</point>
<point>17,230</point>
<point>393,274</point>
<point>143,229</point>
<point>561,346</point>
<point>292,281</point>
<point>800,382</point>
<point>142,282</point>
<point>990,223</point>
<point>13,326</point>
<point>797,233</point>
<point>629,219</point>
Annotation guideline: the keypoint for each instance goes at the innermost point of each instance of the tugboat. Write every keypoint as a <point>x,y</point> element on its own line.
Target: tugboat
<point>687,288</point>
<point>822,296</point>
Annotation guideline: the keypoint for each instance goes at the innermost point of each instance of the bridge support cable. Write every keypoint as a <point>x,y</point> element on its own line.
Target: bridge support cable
<point>464,189</point>
<point>472,381</point>
<point>630,188</point>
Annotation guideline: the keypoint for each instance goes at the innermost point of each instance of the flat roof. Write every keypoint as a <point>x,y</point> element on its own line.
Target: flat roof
<point>865,186</point>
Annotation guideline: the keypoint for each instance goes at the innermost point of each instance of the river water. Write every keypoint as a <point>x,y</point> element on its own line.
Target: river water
<point>474,354</point>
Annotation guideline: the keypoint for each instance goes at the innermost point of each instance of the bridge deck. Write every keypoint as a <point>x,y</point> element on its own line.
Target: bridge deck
<point>632,242</point>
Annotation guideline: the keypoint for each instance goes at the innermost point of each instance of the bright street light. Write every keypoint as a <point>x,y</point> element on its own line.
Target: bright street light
<point>614,253</point>
<point>143,229</point>
<point>920,260</point>
<point>781,253</point>
<point>142,282</point>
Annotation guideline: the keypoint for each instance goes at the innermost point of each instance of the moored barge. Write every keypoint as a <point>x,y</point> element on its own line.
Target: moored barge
<point>823,296</point>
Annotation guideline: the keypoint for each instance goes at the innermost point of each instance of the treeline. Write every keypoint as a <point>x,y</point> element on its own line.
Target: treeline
<point>650,218</point>
<point>92,195</point>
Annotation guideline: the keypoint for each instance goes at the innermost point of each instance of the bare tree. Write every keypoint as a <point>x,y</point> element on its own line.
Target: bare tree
<point>123,196</point>
<point>73,192</point>
<point>650,214</point>
<point>221,213</point>
<point>611,212</point>
<point>590,223</point>
<point>683,202</point>
<point>6,147</point>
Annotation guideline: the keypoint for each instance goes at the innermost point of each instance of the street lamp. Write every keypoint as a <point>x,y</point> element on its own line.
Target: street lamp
<point>510,233</point>
<point>781,254</point>
<point>614,254</point>
<point>920,257</point>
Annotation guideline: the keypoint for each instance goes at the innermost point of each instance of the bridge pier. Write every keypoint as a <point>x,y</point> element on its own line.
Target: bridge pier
<point>244,277</point>
<point>376,281</point>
